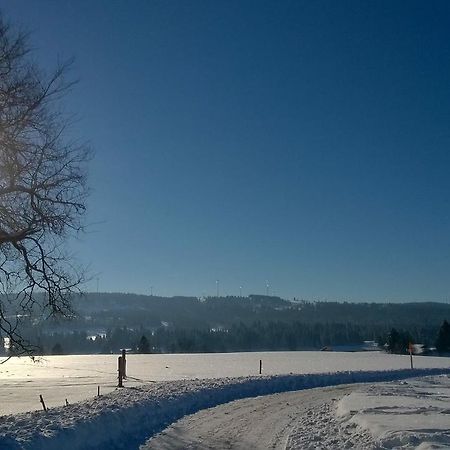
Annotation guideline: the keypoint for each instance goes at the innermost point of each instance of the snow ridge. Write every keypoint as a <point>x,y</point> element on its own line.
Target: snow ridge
<point>127,417</point>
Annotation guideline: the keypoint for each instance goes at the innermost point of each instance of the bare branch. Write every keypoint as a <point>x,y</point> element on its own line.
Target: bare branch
<point>42,189</point>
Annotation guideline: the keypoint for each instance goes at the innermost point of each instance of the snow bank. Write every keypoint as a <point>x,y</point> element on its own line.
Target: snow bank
<point>408,414</point>
<point>126,418</point>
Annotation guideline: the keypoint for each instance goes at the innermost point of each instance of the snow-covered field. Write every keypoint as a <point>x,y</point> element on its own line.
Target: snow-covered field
<point>76,378</point>
<point>125,418</point>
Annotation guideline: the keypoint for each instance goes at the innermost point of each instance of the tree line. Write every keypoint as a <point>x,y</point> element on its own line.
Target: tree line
<point>398,341</point>
<point>257,336</point>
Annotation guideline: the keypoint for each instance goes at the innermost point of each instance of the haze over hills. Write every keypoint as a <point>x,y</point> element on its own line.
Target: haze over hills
<point>105,322</point>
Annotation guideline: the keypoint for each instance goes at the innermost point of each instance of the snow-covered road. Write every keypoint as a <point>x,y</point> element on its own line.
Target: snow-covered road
<point>255,423</point>
<point>401,414</point>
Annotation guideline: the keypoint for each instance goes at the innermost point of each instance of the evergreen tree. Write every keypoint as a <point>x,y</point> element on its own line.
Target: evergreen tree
<point>397,342</point>
<point>393,340</point>
<point>144,345</point>
<point>443,339</point>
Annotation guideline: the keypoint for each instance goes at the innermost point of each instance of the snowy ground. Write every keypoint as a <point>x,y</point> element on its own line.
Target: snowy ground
<point>405,414</point>
<point>76,378</point>
<point>126,418</point>
<point>257,423</point>
<point>408,414</point>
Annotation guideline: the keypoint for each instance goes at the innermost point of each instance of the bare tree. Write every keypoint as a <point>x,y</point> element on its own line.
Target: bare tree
<point>42,189</point>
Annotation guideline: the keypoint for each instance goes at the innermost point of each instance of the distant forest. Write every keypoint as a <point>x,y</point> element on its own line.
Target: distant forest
<point>104,323</point>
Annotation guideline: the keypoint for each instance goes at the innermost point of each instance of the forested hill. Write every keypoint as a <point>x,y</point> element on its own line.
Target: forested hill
<point>221,312</point>
<point>105,323</point>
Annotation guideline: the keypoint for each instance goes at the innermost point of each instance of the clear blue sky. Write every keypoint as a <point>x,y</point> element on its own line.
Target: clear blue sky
<point>303,143</point>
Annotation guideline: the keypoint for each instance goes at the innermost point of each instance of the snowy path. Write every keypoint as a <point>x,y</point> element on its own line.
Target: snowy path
<point>410,414</point>
<point>256,423</point>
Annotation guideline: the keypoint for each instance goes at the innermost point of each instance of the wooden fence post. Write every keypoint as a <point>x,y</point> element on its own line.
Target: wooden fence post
<point>260,366</point>
<point>43,403</point>
<point>124,363</point>
<point>119,370</point>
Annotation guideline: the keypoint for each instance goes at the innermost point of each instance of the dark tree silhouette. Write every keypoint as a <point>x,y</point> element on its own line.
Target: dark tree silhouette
<point>42,189</point>
<point>398,342</point>
<point>144,345</point>
<point>443,339</point>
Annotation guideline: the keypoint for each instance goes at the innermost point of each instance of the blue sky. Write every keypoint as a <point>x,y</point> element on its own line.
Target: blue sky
<point>303,143</point>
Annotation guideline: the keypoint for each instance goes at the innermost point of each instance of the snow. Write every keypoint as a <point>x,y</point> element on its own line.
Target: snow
<point>76,377</point>
<point>125,418</point>
<point>407,414</point>
<point>259,423</point>
<point>319,427</point>
<point>163,388</point>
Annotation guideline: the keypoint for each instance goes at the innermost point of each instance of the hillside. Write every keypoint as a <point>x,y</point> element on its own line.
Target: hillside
<point>105,322</point>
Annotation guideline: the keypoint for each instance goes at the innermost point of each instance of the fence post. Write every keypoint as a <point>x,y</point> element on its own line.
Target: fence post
<point>43,403</point>
<point>119,370</point>
<point>411,348</point>
<point>124,363</point>
<point>260,366</point>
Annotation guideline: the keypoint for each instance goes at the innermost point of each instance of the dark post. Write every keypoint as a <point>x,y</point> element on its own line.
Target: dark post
<point>98,391</point>
<point>43,403</point>
<point>119,370</point>
<point>124,363</point>
<point>260,366</point>
<point>410,355</point>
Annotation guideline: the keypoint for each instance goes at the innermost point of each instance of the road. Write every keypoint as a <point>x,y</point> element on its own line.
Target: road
<point>299,419</point>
